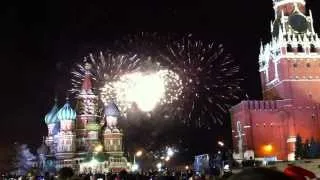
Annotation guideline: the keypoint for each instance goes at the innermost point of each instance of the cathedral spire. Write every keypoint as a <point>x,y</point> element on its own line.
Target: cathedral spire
<point>280,36</point>
<point>261,47</point>
<point>311,21</point>
<point>55,99</point>
<point>86,84</point>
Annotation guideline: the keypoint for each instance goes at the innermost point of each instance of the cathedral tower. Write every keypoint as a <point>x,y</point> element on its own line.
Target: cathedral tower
<point>66,145</point>
<point>289,64</point>
<point>87,110</point>
<point>112,135</point>
<point>53,125</point>
<point>113,139</point>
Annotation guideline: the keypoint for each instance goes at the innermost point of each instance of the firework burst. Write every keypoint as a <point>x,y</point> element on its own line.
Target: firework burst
<point>200,79</point>
<point>209,77</point>
<point>128,80</point>
<point>104,68</point>
<point>146,90</point>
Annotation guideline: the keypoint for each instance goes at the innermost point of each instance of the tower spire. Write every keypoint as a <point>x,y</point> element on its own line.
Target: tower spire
<point>261,46</point>
<point>280,35</point>
<point>311,21</point>
<point>86,84</point>
<point>55,99</point>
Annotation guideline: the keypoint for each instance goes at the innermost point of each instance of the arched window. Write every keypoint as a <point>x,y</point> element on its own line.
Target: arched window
<point>300,48</point>
<point>289,48</point>
<point>313,48</point>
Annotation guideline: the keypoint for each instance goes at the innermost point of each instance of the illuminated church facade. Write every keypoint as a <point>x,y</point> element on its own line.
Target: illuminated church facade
<point>289,67</point>
<point>86,138</point>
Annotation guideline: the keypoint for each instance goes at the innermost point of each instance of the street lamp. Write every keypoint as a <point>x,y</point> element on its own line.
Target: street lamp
<point>220,143</point>
<point>240,135</point>
<point>138,153</point>
<point>98,148</point>
<point>159,165</point>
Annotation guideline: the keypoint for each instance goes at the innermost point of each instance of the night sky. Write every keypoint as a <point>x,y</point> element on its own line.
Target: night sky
<point>40,41</point>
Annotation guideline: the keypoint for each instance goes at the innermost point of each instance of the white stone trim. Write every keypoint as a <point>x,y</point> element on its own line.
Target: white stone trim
<point>291,139</point>
<point>292,80</point>
<point>275,80</point>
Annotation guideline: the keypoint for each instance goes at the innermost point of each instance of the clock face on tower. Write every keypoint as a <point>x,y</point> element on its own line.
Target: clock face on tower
<point>298,23</point>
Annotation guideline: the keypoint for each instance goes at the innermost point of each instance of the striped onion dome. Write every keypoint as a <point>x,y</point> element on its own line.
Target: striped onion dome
<point>107,131</point>
<point>51,117</point>
<point>112,110</point>
<point>43,149</point>
<point>66,112</point>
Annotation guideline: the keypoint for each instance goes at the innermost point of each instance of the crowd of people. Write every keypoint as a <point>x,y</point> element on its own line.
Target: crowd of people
<point>292,172</point>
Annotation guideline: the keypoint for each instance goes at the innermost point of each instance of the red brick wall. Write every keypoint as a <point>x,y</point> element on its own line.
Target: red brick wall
<point>274,125</point>
<point>298,79</point>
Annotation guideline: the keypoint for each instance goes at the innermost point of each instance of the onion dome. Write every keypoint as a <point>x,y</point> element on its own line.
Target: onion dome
<point>115,130</point>
<point>107,131</point>
<point>112,110</point>
<point>51,117</point>
<point>66,112</point>
<point>43,149</point>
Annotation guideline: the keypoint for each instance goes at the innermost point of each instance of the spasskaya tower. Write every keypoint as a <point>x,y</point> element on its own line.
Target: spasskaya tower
<point>289,66</point>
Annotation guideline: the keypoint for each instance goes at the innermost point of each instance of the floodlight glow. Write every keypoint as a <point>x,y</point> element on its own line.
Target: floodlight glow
<point>170,152</point>
<point>167,158</point>
<point>98,148</point>
<point>135,167</point>
<point>159,165</point>
<point>93,162</point>
<point>221,143</point>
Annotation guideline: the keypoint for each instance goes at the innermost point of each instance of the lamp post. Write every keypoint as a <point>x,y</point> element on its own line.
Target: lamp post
<point>137,154</point>
<point>135,166</point>
<point>240,136</point>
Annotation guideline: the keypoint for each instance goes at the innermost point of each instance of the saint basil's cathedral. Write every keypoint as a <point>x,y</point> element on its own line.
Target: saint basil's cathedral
<point>290,79</point>
<point>86,138</point>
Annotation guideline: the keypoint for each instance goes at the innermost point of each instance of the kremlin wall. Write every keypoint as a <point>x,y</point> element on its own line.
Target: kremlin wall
<point>289,67</point>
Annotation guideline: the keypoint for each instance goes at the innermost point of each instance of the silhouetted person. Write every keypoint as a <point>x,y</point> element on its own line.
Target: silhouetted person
<point>259,174</point>
<point>123,175</point>
<point>65,173</point>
